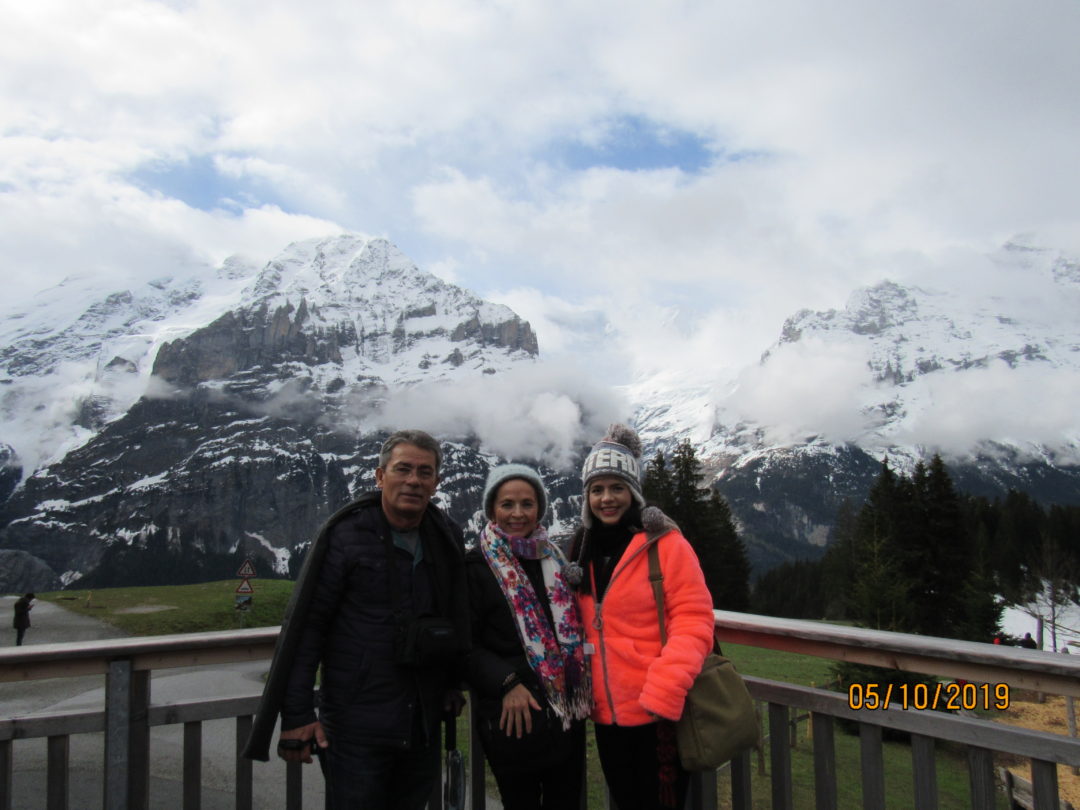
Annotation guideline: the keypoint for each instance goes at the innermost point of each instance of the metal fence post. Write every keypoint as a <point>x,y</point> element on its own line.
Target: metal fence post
<point>6,771</point>
<point>117,737</point>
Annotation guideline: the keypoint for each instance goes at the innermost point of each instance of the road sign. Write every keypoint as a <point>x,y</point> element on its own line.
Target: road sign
<point>247,570</point>
<point>245,587</point>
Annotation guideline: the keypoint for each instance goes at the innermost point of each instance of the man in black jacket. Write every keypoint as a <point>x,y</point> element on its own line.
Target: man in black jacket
<point>381,605</point>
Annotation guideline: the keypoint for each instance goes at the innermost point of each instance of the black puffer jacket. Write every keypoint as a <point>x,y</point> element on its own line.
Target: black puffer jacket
<point>341,615</point>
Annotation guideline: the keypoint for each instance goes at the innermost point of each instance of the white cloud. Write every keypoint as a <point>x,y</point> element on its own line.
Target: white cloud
<point>807,388</point>
<point>563,328</point>
<point>956,410</point>
<point>849,141</point>
<point>113,230</point>
<point>538,413</point>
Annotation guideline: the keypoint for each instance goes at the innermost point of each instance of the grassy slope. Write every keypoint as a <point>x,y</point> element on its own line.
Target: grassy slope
<point>179,608</point>
<point>211,606</point>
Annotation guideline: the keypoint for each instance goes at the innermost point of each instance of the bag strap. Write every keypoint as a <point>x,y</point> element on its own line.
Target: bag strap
<point>656,579</point>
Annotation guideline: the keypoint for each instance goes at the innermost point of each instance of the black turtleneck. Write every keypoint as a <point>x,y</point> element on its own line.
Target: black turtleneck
<point>609,543</point>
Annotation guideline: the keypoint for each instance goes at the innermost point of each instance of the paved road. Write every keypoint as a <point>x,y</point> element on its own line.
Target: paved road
<point>52,624</point>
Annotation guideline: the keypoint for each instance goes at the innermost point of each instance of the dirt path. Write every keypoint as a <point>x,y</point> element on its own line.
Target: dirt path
<point>1049,716</point>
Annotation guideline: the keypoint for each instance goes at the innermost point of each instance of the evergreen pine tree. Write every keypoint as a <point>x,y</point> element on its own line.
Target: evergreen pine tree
<point>792,590</point>
<point>688,499</point>
<point>937,554</point>
<point>657,487</point>
<point>916,570</point>
<point>877,595</point>
<point>1019,529</point>
<point>839,563</point>
<point>705,520</point>
<point>731,590</point>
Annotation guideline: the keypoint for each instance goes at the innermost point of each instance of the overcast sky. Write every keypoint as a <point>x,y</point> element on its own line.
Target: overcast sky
<point>680,175</point>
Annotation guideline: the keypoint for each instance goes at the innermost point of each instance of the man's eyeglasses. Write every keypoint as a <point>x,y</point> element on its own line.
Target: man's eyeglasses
<point>406,470</point>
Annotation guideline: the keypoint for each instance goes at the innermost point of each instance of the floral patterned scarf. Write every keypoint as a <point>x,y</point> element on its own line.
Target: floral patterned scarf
<point>557,658</point>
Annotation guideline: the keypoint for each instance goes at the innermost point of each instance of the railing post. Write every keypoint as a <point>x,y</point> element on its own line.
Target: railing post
<point>56,788</point>
<point>780,757</point>
<point>873,767</point>
<point>702,793</point>
<point>6,771</point>
<point>117,734</point>
<point>763,723</point>
<point>981,776</point>
<point>1044,784</point>
<point>192,767</point>
<point>139,729</point>
<point>294,786</point>
<point>127,737</point>
<point>244,793</point>
<point>825,796</point>
<point>741,781</point>
<point>924,768</point>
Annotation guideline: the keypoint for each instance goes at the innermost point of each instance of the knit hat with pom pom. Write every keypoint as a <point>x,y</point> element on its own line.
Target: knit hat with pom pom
<point>617,454</point>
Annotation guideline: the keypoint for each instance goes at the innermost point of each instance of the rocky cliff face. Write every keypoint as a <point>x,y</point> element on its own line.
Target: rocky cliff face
<point>246,438</point>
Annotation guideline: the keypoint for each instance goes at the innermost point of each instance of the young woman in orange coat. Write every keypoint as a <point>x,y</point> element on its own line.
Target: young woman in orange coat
<point>639,685</point>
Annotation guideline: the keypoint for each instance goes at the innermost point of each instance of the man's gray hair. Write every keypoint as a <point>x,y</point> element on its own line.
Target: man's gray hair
<point>425,441</point>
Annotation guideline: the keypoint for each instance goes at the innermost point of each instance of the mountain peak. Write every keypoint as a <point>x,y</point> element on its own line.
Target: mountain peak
<point>870,311</point>
<point>349,309</point>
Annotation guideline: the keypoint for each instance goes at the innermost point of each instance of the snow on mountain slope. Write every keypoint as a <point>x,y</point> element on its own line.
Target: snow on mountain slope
<point>913,370</point>
<point>78,355</point>
<point>217,412</point>
<point>246,425</point>
<point>988,377</point>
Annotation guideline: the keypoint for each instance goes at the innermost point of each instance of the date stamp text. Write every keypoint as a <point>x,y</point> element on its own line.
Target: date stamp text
<point>944,696</point>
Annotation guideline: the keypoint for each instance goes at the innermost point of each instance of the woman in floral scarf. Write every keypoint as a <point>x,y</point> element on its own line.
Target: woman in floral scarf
<point>528,668</point>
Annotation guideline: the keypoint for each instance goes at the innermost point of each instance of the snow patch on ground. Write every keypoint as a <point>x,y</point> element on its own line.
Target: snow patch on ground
<point>1016,621</point>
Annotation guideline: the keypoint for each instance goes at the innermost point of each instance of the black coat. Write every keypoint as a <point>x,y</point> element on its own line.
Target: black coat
<point>22,614</point>
<point>497,651</point>
<point>341,616</point>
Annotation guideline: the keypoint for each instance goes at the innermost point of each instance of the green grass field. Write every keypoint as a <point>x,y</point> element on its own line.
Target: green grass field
<point>168,609</point>
<point>211,606</point>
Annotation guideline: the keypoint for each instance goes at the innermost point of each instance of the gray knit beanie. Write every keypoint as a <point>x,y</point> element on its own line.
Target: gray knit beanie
<point>508,472</point>
<point>617,454</point>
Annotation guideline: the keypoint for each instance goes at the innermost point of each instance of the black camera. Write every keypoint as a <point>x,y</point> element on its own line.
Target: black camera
<point>425,642</point>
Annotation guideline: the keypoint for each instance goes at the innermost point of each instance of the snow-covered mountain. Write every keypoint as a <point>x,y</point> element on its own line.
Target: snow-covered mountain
<point>79,356</point>
<point>167,430</point>
<point>203,422</point>
<point>988,378</point>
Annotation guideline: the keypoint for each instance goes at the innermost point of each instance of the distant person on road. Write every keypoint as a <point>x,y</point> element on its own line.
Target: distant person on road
<point>381,605</point>
<point>527,668</point>
<point>1028,642</point>
<point>23,605</point>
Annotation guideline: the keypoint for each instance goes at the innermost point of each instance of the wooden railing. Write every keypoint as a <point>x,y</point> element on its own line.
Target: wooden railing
<point>128,715</point>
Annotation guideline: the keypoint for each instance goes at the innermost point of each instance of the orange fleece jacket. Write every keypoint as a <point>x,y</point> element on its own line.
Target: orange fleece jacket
<point>633,678</point>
